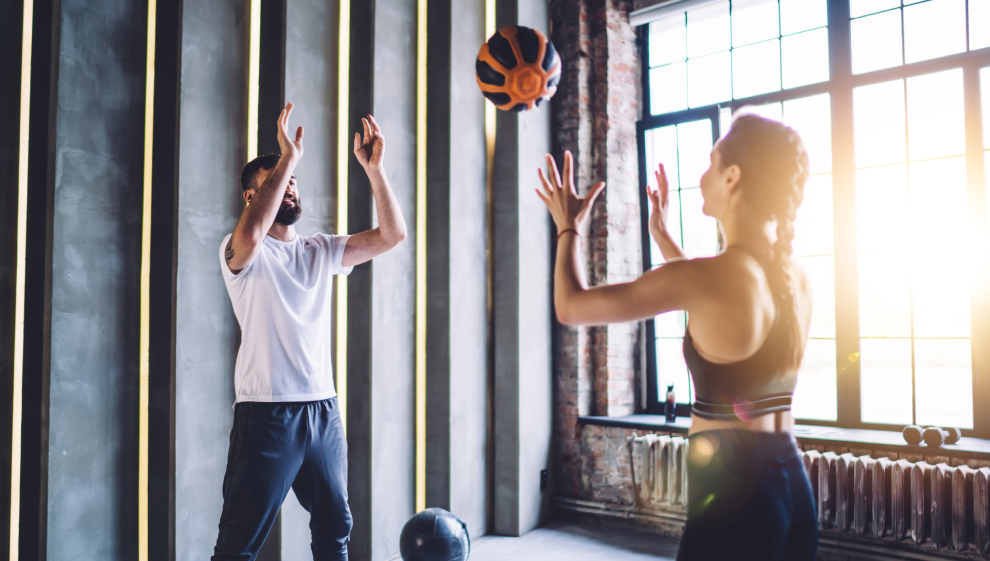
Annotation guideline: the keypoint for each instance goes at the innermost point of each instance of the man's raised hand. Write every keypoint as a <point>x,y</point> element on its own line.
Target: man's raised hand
<point>371,149</point>
<point>290,148</point>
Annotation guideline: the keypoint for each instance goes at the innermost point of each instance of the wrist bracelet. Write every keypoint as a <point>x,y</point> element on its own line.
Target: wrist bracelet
<point>562,232</point>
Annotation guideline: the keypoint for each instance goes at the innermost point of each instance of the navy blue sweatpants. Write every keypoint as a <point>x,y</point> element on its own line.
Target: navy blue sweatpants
<point>274,446</point>
<point>748,499</point>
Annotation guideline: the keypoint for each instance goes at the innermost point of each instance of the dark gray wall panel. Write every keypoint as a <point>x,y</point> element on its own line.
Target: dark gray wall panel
<point>457,268</point>
<point>311,79</point>
<point>212,151</point>
<point>522,306</point>
<point>381,295</point>
<point>92,472</point>
<point>311,85</point>
<point>394,283</point>
<point>10,121</point>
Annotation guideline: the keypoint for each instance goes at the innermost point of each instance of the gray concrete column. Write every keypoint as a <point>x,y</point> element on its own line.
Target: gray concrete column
<point>212,150</point>
<point>522,305</point>
<point>79,458</point>
<point>457,268</point>
<point>381,299</point>
<point>311,78</point>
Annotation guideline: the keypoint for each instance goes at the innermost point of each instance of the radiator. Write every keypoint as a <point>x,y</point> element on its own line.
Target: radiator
<point>659,470</point>
<point>879,498</point>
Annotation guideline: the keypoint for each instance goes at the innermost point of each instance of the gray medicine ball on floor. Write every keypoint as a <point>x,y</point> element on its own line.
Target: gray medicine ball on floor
<point>434,535</point>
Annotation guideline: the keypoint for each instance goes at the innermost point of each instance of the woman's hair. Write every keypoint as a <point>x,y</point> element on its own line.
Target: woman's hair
<point>774,167</point>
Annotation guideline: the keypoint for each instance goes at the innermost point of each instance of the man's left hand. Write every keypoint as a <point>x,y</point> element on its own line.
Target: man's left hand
<point>371,149</point>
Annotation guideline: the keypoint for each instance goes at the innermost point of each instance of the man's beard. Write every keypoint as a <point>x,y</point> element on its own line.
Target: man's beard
<point>289,214</point>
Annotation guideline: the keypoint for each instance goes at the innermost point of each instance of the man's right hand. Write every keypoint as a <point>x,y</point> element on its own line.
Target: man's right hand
<point>292,149</point>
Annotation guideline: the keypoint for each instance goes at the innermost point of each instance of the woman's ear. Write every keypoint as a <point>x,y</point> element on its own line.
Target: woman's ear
<point>731,176</point>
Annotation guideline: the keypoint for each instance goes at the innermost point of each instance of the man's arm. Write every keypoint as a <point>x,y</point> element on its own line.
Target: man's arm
<point>391,230</point>
<point>259,214</point>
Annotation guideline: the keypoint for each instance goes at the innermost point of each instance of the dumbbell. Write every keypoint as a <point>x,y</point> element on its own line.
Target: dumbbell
<point>936,436</point>
<point>932,436</point>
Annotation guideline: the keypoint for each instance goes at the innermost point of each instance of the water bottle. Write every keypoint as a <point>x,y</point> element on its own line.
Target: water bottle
<point>670,407</point>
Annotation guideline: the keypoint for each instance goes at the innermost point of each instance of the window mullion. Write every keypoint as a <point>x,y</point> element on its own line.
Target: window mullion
<point>844,205</point>
<point>980,291</point>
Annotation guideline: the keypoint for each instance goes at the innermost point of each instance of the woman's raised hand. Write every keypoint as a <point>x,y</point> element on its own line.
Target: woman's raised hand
<point>569,211</point>
<point>661,205</point>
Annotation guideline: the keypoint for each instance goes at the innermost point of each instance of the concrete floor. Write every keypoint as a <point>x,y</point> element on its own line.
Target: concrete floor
<point>575,541</point>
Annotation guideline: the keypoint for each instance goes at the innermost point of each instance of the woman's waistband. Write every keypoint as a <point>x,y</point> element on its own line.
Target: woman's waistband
<point>743,409</point>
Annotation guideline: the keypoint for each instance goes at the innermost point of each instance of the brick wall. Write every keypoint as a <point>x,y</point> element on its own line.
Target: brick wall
<point>594,115</point>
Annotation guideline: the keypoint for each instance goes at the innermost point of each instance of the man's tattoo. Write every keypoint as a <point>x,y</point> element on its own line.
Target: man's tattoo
<point>228,253</point>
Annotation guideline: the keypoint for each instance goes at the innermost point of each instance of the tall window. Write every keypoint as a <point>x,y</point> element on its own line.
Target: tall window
<point>887,96</point>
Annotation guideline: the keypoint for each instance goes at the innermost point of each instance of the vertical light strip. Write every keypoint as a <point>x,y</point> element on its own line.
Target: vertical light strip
<point>490,181</point>
<point>421,259</point>
<point>254,63</point>
<point>149,121</point>
<point>343,159</point>
<point>489,107</point>
<point>22,190</point>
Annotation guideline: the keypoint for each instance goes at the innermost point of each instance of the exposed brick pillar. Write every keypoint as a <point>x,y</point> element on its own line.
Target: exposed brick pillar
<point>615,222</point>
<point>571,126</point>
<point>594,116</point>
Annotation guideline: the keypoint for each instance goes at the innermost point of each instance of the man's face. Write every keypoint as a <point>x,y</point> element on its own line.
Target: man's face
<point>290,210</point>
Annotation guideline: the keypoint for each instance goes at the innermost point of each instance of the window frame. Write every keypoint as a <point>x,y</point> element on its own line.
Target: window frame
<point>840,88</point>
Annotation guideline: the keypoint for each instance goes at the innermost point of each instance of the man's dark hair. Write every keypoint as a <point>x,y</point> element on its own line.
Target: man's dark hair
<point>266,162</point>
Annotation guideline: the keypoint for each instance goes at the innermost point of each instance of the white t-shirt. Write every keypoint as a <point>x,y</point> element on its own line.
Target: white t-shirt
<point>282,302</point>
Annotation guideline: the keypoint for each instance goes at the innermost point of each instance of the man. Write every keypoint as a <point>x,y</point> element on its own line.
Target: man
<point>287,429</point>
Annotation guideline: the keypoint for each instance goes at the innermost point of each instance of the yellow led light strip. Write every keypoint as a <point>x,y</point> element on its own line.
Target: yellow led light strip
<point>254,62</point>
<point>149,114</point>
<point>489,107</point>
<point>22,190</point>
<point>343,159</point>
<point>421,259</point>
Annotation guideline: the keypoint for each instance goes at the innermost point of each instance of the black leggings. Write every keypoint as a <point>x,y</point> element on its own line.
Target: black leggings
<point>748,498</point>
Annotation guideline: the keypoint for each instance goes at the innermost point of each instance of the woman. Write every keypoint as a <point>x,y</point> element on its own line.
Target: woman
<point>749,309</point>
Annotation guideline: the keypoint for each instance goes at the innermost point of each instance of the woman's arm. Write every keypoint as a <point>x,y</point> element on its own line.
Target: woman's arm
<point>671,287</point>
<point>658,218</point>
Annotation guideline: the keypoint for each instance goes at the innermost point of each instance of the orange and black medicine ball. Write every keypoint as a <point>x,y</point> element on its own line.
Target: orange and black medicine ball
<point>518,69</point>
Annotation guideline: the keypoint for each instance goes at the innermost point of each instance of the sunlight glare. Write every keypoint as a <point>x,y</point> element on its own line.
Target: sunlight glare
<point>863,7</point>
<point>694,146</point>
<point>805,58</point>
<point>668,88</point>
<point>944,382</point>
<point>936,124</point>
<point>885,381</point>
<point>709,79</point>
<point>756,69</point>
<point>667,40</point>
<point>884,295</point>
<point>708,29</point>
<point>934,29</point>
<point>754,21</point>
<point>876,42</point>
<point>811,117</point>
<point>878,122</point>
<point>802,15</point>
<point>816,394</point>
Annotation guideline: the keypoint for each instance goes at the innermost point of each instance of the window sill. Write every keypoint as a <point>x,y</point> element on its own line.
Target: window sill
<point>832,438</point>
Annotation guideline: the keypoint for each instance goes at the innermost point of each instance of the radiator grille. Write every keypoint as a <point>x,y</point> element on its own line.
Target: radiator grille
<point>941,505</point>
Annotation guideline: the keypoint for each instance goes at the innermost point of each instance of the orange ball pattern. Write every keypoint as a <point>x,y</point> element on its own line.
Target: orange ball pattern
<point>518,69</point>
